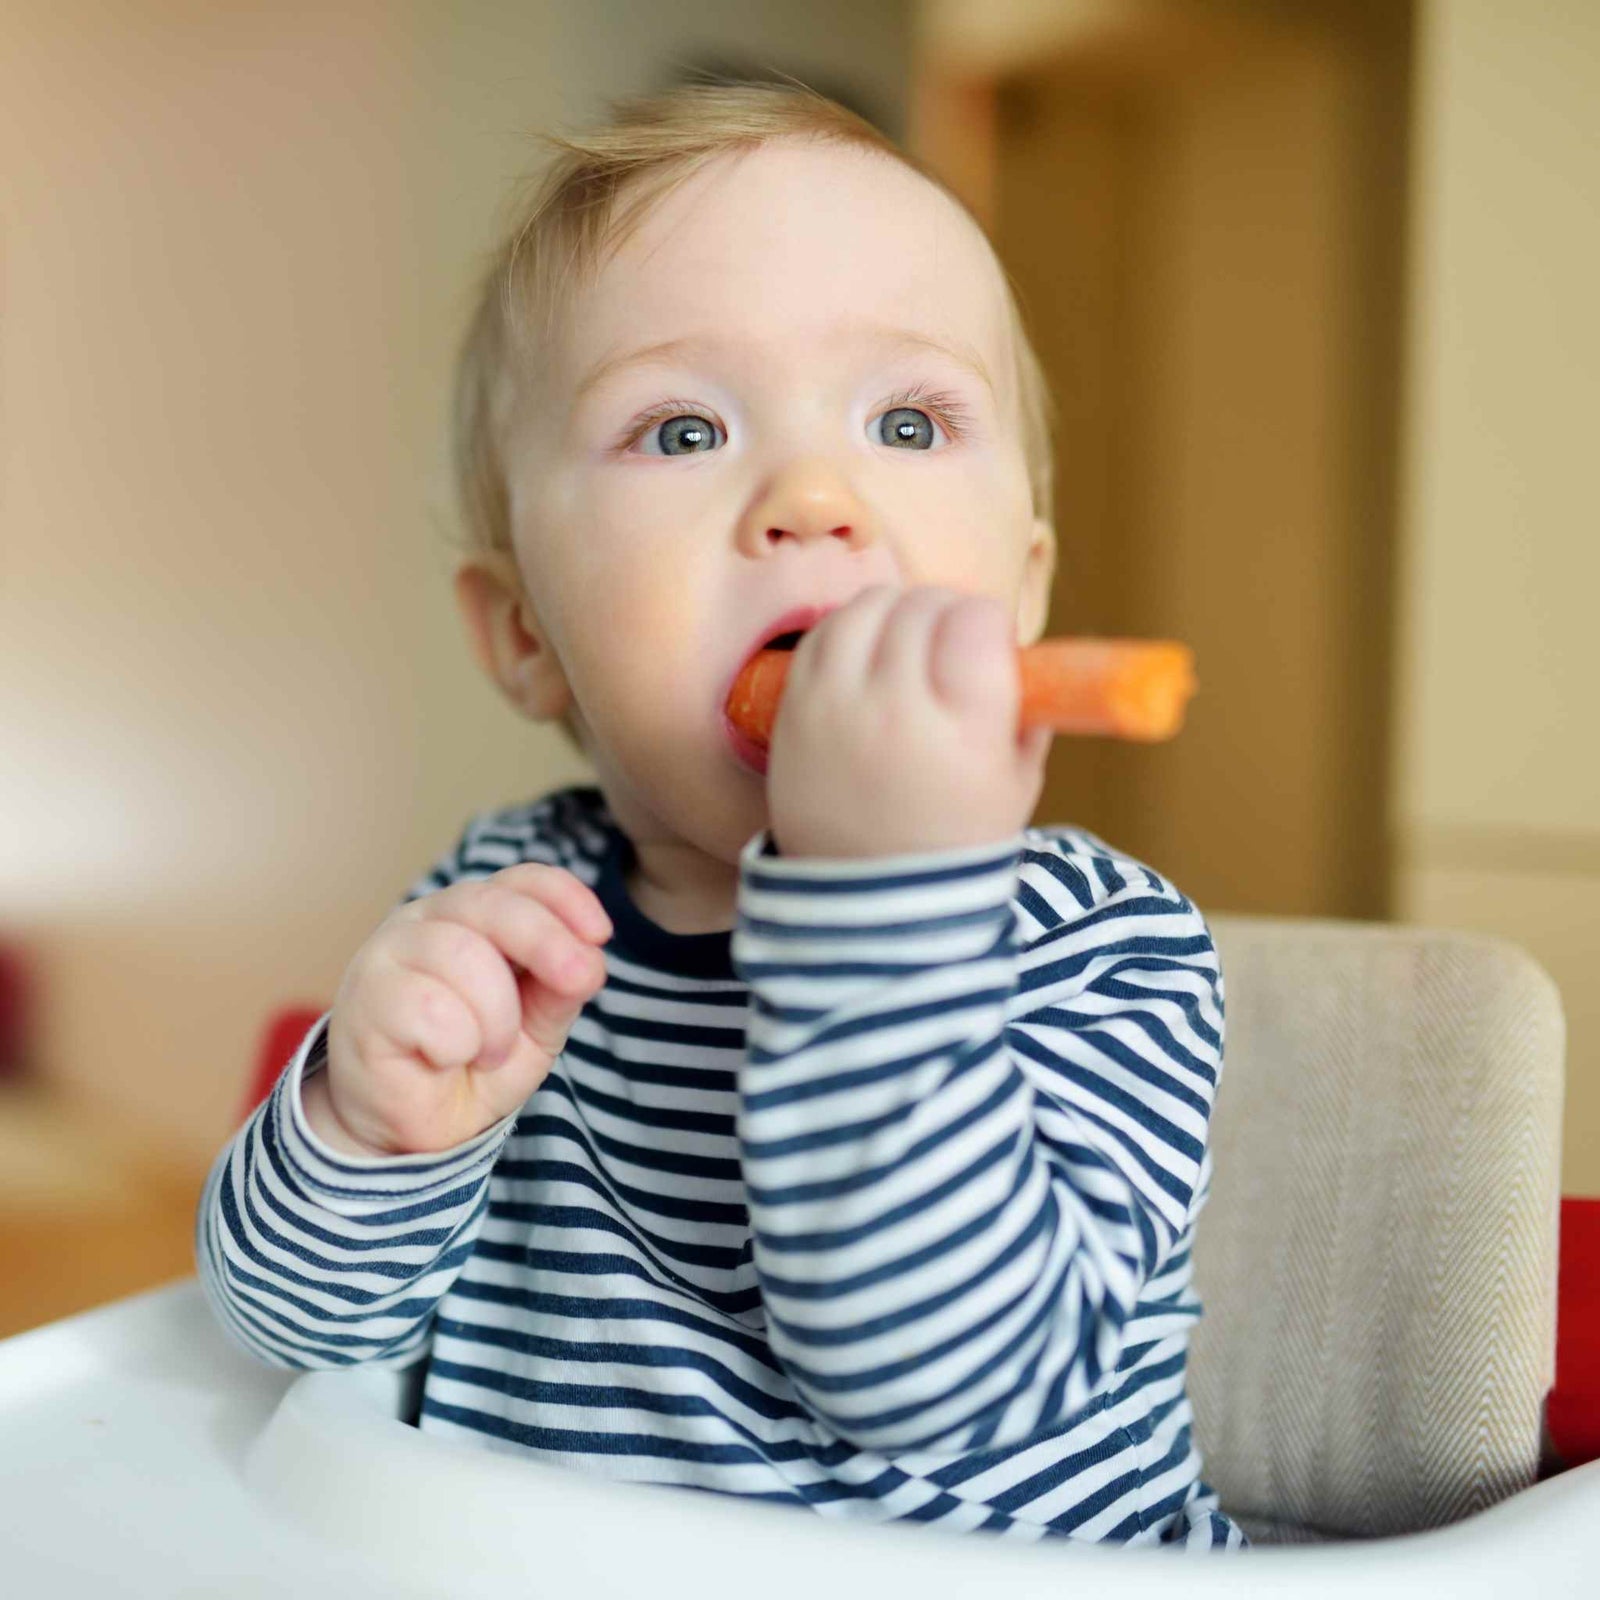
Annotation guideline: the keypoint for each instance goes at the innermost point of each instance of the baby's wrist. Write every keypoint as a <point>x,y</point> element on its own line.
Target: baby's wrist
<point>316,1105</point>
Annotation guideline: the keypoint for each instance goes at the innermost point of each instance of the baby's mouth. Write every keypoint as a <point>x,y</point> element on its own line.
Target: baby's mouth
<point>748,752</point>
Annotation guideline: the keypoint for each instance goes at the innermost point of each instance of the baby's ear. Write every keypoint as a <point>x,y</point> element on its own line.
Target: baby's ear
<point>1038,577</point>
<point>507,638</point>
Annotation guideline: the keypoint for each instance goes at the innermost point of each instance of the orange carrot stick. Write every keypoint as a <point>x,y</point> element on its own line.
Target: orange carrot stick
<point>1118,688</point>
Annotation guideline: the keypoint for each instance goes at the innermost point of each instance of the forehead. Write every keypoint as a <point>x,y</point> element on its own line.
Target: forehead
<point>789,249</point>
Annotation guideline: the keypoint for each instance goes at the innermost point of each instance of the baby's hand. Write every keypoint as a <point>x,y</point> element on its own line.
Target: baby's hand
<point>450,1015</point>
<point>897,731</point>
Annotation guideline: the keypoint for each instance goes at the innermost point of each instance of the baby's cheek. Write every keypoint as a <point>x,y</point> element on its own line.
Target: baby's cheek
<point>967,565</point>
<point>952,528</point>
<point>641,656</point>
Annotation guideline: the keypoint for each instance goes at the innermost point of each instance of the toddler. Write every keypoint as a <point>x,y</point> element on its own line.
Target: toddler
<point>798,1124</point>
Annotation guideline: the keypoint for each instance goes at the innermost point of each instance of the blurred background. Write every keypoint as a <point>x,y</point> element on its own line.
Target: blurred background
<point>1315,283</point>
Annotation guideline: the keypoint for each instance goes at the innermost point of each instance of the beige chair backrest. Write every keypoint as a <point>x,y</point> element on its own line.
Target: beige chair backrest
<point>1377,1258</point>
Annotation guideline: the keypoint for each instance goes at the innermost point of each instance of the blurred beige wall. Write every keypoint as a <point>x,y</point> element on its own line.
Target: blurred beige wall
<point>1497,734</point>
<point>237,713</point>
<point>1492,814</point>
<point>1203,209</point>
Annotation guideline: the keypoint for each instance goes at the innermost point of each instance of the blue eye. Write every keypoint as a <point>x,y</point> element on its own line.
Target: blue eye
<point>906,426</point>
<point>683,435</point>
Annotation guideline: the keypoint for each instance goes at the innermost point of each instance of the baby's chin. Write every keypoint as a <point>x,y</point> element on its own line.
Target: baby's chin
<point>699,789</point>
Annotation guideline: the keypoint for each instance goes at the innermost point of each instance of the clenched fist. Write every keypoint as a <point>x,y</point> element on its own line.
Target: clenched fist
<point>897,731</point>
<point>450,1015</point>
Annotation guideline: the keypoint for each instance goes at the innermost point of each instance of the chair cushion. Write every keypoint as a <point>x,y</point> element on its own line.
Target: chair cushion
<point>1377,1257</point>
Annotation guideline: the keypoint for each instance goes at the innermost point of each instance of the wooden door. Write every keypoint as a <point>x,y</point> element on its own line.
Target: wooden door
<point>1202,210</point>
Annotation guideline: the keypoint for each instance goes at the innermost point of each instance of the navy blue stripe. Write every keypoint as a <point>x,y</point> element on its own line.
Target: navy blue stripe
<point>725,1214</point>
<point>807,886</point>
<point>718,1124</point>
<point>922,927</point>
<point>704,993</point>
<point>620,1309</point>
<point>622,1354</point>
<point>662,1074</point>
<point>887,1020</point>
<point>776,1195</point>
<point>654,1246</point>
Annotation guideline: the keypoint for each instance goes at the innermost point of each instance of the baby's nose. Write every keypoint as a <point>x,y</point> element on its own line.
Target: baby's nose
<point>775,535</point>
<point>809,502</point>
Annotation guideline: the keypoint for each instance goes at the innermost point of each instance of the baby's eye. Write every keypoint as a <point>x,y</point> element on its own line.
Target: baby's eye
<point>906,427</point>
<point>684,434</point>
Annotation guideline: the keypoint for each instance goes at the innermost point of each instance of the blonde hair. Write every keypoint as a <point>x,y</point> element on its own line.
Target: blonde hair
<point>592,197</point>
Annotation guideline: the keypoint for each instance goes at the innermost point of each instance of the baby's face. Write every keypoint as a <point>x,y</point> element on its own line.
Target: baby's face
<point>817,427</point>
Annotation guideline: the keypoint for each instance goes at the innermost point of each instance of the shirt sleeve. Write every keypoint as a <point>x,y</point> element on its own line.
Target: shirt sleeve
<point>967,1149</point>
<point>312,1258</point>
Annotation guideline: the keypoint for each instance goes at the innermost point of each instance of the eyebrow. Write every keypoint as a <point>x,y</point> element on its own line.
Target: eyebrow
<point>881,333</point>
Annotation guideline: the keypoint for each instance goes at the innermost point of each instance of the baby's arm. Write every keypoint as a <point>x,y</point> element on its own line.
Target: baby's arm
<point>953,1218</point>
<point>314,1258</point>
<point>341,1213</point>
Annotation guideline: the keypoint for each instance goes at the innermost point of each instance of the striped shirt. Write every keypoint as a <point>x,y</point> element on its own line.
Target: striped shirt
<point>880,1203</point>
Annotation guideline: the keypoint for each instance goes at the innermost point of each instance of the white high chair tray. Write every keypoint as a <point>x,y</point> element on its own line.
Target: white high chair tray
<point>141,1454</point>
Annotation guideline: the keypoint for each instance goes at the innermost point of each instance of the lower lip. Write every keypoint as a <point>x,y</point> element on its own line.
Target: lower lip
<point>745,750</point>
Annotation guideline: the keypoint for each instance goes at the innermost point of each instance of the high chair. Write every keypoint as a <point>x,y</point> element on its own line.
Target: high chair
<point>1377,1259</point>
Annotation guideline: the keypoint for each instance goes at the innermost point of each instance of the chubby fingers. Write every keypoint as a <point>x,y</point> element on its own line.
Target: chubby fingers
<point>923,637</point>
<point>906,635</point>
<point>565,894</point>
<point>961,646</point>
<point>973,657</point>
<point>492,958</point>
<point>839,649</point>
